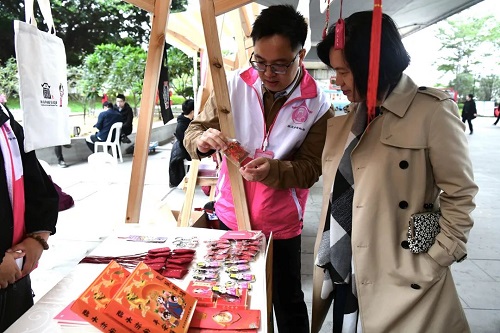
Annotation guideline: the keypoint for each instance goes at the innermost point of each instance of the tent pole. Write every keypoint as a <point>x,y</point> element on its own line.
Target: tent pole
<point>151,75</point>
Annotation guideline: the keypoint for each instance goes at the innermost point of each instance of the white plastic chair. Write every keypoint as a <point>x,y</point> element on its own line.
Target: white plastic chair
<point>115,131</point>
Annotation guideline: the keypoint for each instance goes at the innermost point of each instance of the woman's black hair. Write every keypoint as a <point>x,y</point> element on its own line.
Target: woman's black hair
<point>281,20</point>
<point>393,56</point>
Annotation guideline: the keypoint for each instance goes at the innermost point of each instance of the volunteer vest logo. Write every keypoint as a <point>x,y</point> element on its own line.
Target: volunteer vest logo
<point>301,113</point>
<point>47,96</point>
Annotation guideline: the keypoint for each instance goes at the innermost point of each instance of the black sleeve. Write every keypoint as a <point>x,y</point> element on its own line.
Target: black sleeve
<point>41,198</point>
<point>180,130</point>
<point>128,117</point>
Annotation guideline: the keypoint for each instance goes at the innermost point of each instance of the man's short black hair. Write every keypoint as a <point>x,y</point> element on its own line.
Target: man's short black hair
<point>187,106</point>
<point>107,105</point>
<point>121,96</point>
<point>471,96</point>
<point>281,20</point>
<point>393,56</point>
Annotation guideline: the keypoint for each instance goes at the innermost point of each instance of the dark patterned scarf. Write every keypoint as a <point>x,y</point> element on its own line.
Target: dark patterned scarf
<point>335,253</point>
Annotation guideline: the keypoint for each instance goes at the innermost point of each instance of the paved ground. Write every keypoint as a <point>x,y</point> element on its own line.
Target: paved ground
<point>100,196</point>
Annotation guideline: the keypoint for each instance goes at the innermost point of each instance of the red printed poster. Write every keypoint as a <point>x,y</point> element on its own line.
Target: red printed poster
<point>149,302</point>
<point>92,302</point>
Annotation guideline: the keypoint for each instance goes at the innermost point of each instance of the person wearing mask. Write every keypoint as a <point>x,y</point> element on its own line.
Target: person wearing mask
<point>279,114</point>
<point>406,155</point>
<point>127,117</point>
<point>29,210</point>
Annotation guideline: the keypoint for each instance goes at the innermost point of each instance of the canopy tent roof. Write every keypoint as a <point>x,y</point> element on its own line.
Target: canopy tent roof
<point>410,15</point>
<point>185,29</point>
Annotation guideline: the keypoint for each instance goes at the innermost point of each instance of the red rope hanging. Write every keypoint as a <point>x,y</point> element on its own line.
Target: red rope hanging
<point>373,74</point>
<point>327,19</point>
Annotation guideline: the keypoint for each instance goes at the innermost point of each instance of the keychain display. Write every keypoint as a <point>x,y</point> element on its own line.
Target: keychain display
<point>243,276</point>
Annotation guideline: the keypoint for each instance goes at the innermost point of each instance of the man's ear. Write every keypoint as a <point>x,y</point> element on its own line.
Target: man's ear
<point>302,55</point>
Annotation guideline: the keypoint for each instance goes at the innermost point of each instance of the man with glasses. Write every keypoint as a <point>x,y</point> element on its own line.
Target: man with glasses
<point>280,116</point>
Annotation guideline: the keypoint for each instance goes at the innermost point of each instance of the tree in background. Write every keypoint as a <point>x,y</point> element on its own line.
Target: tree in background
<point>113,69</point>
<point>83,24</point>
<point>466,44</point>
<point>181,72</point>
<point>9,83</point>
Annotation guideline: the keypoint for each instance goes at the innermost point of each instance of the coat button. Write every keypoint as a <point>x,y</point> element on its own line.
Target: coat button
<point>422,88</point>
<point>405,245</point>
<point>403,204</point>
<point>426,206</point>
<point>415,286</point>
<point>403,164</point>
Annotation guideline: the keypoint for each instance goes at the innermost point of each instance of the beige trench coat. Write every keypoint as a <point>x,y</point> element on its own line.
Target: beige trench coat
<point>411,152</point>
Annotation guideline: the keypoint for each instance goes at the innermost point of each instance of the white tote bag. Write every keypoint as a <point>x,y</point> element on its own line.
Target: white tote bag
<point>43,87</point>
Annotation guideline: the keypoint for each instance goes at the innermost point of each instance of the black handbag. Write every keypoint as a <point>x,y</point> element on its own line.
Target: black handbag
<point>422,231</point>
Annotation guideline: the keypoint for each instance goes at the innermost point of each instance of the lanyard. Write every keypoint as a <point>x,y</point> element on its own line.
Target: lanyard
<point>267,131</point>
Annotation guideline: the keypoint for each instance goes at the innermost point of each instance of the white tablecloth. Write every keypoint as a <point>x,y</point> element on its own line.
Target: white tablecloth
<point>39,319</point>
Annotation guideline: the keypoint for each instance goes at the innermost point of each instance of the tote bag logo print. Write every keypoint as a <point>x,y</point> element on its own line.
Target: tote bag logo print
<point>48,98</point>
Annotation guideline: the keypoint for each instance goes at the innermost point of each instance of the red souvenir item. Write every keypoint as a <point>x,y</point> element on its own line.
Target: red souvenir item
<point>184,251</point>
<point>156,266</point>
<point>159,250</point>
<point>180,261</point>
<point>225,319</point>
<point>235,152</point>
<point>240,302</point>
<point>202,290</point>
<point>157,260</point>
<point>339,42</point>
<point>92,302</point>
<point>175,273</point>
<point>148,302</point>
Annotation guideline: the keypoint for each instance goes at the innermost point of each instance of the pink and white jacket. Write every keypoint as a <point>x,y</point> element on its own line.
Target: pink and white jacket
<point>271,210</point>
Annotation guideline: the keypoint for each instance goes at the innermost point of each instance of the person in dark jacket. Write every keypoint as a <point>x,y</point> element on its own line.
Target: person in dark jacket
<point>28,215</point>
<point>469,111</point>
<point>105,120</point>
<point>127,117</point>
<point>179,153</point>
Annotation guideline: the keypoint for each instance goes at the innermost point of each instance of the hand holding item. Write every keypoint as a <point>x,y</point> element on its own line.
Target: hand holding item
<point>211,139</point>
<point>256,170</point>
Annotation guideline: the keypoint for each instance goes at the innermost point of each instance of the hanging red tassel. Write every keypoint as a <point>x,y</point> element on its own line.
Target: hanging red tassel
<point>373,73</point>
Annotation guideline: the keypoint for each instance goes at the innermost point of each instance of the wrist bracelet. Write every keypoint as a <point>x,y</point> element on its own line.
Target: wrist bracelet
<point>40,240</point>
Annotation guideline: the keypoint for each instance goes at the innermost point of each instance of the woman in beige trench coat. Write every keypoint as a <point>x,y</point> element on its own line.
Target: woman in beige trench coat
<point>413,157</point>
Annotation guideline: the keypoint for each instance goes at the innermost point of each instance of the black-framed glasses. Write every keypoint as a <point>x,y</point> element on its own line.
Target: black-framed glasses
<point>275,68</point>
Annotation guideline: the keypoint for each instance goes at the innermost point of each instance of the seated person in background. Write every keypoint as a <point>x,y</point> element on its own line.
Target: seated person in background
<point>179,153</point>
<point>127,117</point>
<point>105,120</point>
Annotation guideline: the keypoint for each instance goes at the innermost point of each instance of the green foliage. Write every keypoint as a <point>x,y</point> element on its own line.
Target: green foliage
<point>466,44</point>
<point>180,68</point>
<point>9,83</point>
<point>83,24</point>
<point>177,100</point>
<point>113,69</point>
